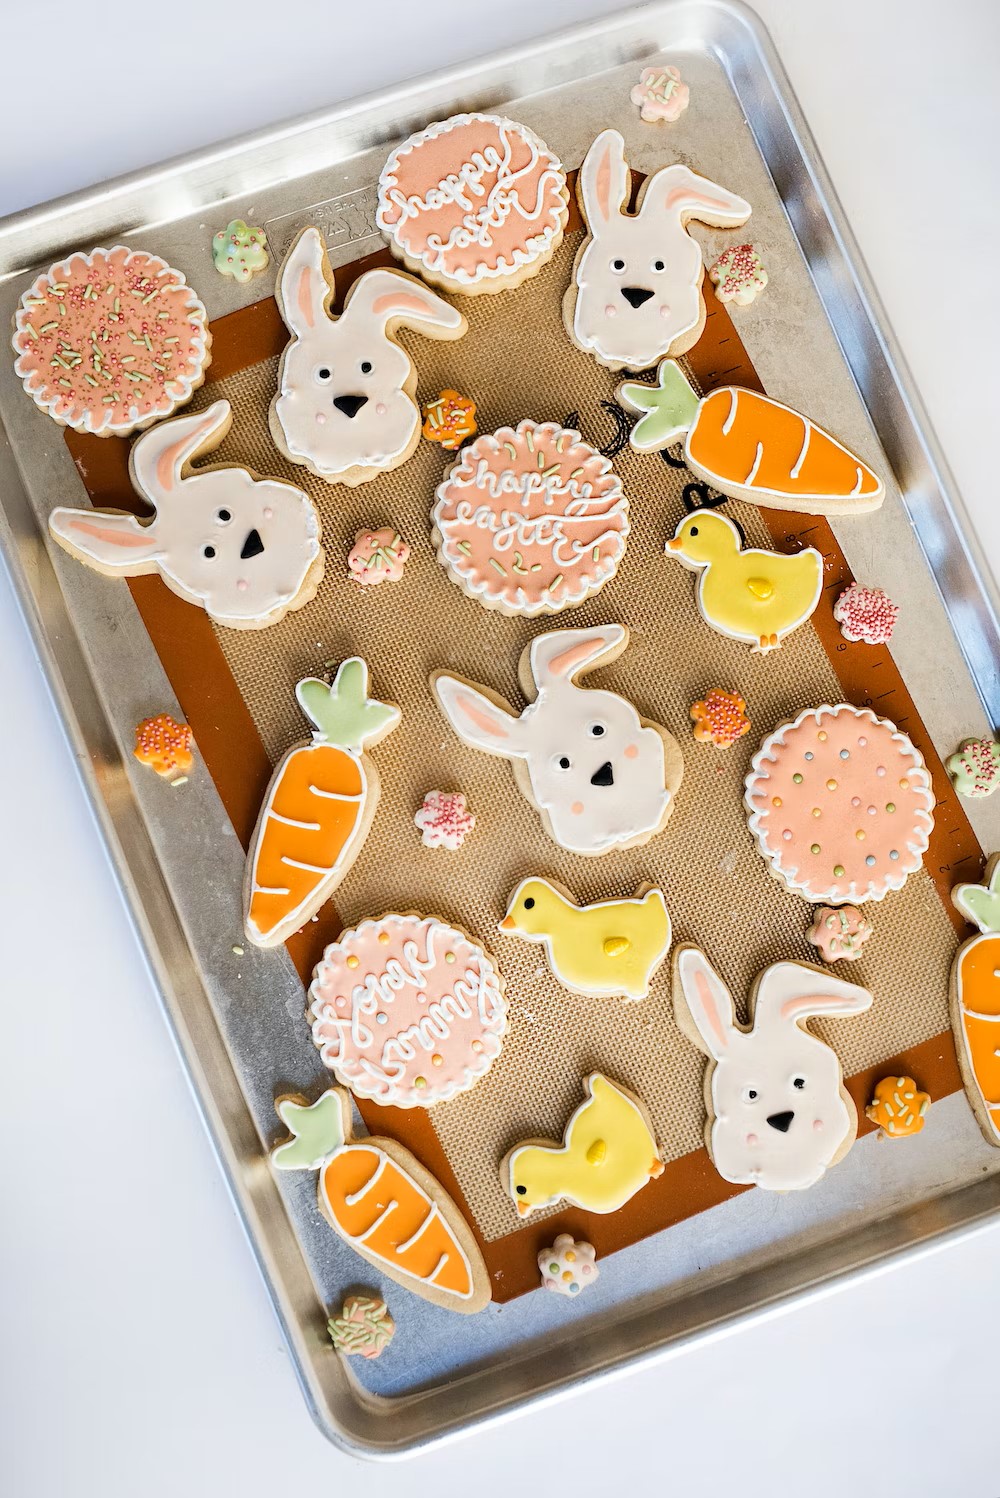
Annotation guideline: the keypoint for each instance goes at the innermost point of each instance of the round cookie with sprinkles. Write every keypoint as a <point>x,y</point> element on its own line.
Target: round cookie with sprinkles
<point>108,342</point>
<point>840,804</point>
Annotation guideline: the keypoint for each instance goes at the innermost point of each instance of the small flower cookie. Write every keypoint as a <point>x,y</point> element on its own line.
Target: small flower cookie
<point>738,275</point>
<point>866,614</point>
<point>898,1107</point>
<point>569,1266</point>
<point>840,933</point>
<point>240,251</point>
<point>660,94</point>
<point>363,1329</point>
<point>975,767</point>
<point>449,419</point>
<point>720,719</point>
<point>165,746</point>
<point>443,820</point>
<point>378,557</point>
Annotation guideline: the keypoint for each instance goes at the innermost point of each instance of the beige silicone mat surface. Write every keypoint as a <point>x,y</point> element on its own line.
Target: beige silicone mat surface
<point>516,361</point>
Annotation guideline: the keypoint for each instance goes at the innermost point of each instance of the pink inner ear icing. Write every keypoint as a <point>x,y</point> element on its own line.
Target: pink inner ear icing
<point>690,197</point>
<point>395,303</point>
<point>304,297</point>
<point>171,457</point>
<point>568,661</point>
<point>707,1001</point>
<point>602,183</point>
<point>481,719</point>
<point>109,533</point>
<point>810,1004</point>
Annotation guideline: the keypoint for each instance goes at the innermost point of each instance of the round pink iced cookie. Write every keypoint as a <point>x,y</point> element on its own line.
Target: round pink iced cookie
<point>110,341</point>
<point>866,615</point>
<point>407,1011</point>
<point>530,521</point>
<point>840,805</point>
<point>473,201</point>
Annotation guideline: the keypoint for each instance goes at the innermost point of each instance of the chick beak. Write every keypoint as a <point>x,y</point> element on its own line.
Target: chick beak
<point>507,924</point>
<point>522,1209</point>
<point>674,544</point>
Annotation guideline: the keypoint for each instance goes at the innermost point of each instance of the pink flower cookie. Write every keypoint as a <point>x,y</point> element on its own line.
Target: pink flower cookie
<point>110,341</point>
<point>841,805</point>
<point>839,934</point>
<point>530,521</point>
<point>443,820</point>
<point>378,557</point>
<point>568,1266</point>
<point>473,203</point>
<point>866,614</point>
<point>660,94</point>
<point>738,275</point>
<point>407,1011</point>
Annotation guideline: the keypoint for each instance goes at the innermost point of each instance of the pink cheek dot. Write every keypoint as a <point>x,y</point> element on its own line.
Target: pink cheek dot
<point>577,808</point>
<point>242,584</point>
<point>818,1125</point>
<point>751,1139</point>
<point>631,751</point>
<point>380,409</point>
<point>609,311</point>
<point>268,513</point>
<point>664,310</point>
<point>321,418</point>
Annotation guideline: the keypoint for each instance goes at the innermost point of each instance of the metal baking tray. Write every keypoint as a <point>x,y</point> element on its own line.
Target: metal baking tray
<point>239,1026</point>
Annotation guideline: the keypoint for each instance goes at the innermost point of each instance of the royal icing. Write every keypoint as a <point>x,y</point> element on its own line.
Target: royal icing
<point>343,407</point>
<point>975,999</point>
<point>898,1107</point>
<point>318,807</point>
<point>364,1327</point>
<point>377,557</point>
<point>568,1266</point>
<point>608,1153</point>
<point>109,341</point>
<point>600,775</point>
<point>407,1010</point>
<point>975,767</point>
<point>244,549</point>
<point>753,595</point>
<point>474,202</point>
<point>165,745</point>
<point>449,420</point>
<point>750,447</point>
<point>841,805</point>
<point>738,275</point>
<point>660,94</point>
<point>240,251</point>
<point>866,614</point>
<point>381,1201</point>
<point>443,820</point>
<point>530,521</point>
<point>613,947</point>
<point>778,1111</point>
<point>636,291</point>
<point>839,933</point>
<point>720,719</point>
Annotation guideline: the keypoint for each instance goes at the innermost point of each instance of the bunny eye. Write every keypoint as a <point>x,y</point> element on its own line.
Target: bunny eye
<point>324,374</point>
<point>659,265</point>
<point>618,265</point>
<point>223,516</point>
<point>208,551</point>
<point>366,366</point>
<point>751,1094</point>
<point>799,1082</point>
<point>562,762</point>
<point>597,730</point>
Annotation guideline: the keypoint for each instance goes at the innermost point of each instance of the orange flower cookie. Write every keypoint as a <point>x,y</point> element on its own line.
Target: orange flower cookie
<point>720,719</point>
<point>165,746</point>
<point>450,420</point>
<point>898,1107</point>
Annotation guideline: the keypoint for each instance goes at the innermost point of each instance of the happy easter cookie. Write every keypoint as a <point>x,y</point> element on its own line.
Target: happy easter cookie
<point>530,521</point>
<point>600,776</point>
<point>975,999</point>
<point>613,947</point>
<point>475,203</point>
<point>608,1153</point>
<point>243,548</point>
<point>407,1010</point>
<point>110,341</point>
<point>841,805</point>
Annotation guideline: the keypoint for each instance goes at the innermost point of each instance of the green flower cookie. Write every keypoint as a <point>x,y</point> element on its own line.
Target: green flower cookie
<point>975,767</point>
<point>240,251</point>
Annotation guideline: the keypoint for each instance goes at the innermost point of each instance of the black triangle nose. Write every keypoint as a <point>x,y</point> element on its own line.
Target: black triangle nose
<point>781,1121</point>
<point>252,546</point>
<point>350,405</point>
<point>604,776</point>
<point>636,295</point>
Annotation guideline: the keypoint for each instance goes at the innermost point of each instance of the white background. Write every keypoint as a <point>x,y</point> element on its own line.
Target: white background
<point>138,1355</point>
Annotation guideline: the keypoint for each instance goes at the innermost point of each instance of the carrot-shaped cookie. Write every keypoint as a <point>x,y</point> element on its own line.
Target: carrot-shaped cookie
<point>381,1201</point>
<point>751,447</point>
<point>975,999</point>
<point>318,807</point>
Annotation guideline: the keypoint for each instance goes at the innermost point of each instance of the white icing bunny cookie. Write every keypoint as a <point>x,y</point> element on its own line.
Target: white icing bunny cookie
<point>345,406</point>
<point>778,1112</point>
<point>636,292</point>
<point>243,548</point>
<point>601,776</point>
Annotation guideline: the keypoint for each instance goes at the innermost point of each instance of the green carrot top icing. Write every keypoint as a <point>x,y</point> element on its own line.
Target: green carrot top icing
<point>669,407</point>
<point>980,903</point>
<point>318,1131</point>
<point>342,713</point>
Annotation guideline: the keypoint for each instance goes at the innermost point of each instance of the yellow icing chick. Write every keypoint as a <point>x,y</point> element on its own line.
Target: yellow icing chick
<point>613,947</point>
<point>754,595</point>
<point>608,1153</point>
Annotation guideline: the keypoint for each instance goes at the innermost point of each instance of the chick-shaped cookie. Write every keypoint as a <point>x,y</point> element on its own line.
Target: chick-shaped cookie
<point>608,1153</point>
<point>748,594</point>
<point>613,947</point>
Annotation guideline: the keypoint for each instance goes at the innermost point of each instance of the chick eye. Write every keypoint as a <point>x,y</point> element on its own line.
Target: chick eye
<point>751,1094</point>
<point>562,762</point>
<point>618,265</point>
<point>208,551</point>
<point>324,374</point>
<point>366,366</point>
<point>693,531</point>
<point>799,1082</point>
<point>520,1190</point>
<point>659,265</point>
<point>223,516</point>
<point>529,903</point>
<point>598,730</point>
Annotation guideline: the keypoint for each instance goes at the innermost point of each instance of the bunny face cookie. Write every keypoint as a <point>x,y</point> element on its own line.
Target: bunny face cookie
<point>778,1112</point>
<point>244,549</point>
<point>345,406</point>
<point>601,776</point>
<point>636,289</point>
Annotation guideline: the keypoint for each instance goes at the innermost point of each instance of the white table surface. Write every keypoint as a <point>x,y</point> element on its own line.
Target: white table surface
<point>138,1354</point>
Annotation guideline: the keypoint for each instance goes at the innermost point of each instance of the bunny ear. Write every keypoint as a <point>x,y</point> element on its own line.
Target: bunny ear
<point>563,654</point>
<point>480,720</point>
<point>392,296</point>
<point>792,991</point>
<point>305,284</point>
<point>604,180</point>
<point>702,1002</point>
<point>157,460</point>
<point>678,191</point>
<point>113,543</point>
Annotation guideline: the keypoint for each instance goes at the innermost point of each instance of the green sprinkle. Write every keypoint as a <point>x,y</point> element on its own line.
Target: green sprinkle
<point>529,440</point>
<point>536,566</point>
<point>576,473</point>
<point>108,400</point>
<point>128,359</point>
<point>67,383</point>
<point>48,326</point>
<point>62,310</point>
<point>118,305</point>
<point>90,380</point>
<point>151,295</point>
<point>510,449</point>
<point>554,583</point>
<point>145,339</point>
<point>496,564</point>
<point>548,472</point>
<point>30,331</point>
<point>58,359</point>
<point>139,376</point>
<point>171,340</point>
<point>464,548</point>
<point>596,553</point>
<point>238,952</point>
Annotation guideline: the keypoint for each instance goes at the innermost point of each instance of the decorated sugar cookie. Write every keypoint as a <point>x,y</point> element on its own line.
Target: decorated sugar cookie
<point>111,341</point>
<point>841,805</point>
<point>600,776</point>
<point>839,933</point>
<point>345,406</point>
<point>866,614</point>
<point>608,1153</point>
<point>318,807</point>
<point>778,1112</point>
<point>636,289</point>
<point>378,557</point>
<point>364,1327</point>
<point>898,1107</point>
<point>530,521</point>
<point>975,999</point>
<point>381,1201</point>
<point>753,595</point>
<point>660,94</point>
<point>974,768</point>
<point>474,203</point>
<point>449,420</point>
<point>165,745</point>
<point>750,447</point>
<point>569,1266</point>
<point>721,719</point>
<point>240,251</point>
<point>613,947</point>
<point>243,548</point>
<point>407,1010</point>
<point>738,275</point>
<point>443,820</point>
